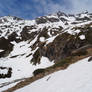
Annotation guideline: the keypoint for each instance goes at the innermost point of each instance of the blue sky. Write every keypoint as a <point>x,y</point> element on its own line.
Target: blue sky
<point>30,9</point>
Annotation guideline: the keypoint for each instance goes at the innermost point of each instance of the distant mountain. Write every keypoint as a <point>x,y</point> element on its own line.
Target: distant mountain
<point>30,48</point>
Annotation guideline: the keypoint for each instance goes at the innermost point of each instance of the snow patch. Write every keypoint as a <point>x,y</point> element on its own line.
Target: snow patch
<point>42,39</point>
<point>1,50</point>
<point>82,37</point>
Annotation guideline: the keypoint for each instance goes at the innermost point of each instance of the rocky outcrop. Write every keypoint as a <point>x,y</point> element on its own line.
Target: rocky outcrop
<point>6,46</point>
<point>44,19</point>
<point>61,47</point>
<point>26,35</point>
<point>64,45</point>
<point>8,74</point>
<point>66,39</point>
<point>41,20</point>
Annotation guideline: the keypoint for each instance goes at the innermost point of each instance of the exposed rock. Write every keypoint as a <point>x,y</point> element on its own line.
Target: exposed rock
<point>61,14</point>
<point>8,74</point>
<point>83,19</point>
<point>6,46</point>
<point>26,35</point>
<point>36,57</point>
<point>44,19</point>
<point>90,59</point>
<point>17,18</point>
<point>41,20</point>
<point>38,71</point>
<point>63,19</point>
<point>53,19</point>
<point>89,35</point>
<point>13,37</point>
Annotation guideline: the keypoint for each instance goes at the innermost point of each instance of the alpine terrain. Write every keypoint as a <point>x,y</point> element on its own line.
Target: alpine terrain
<point>51,53</point>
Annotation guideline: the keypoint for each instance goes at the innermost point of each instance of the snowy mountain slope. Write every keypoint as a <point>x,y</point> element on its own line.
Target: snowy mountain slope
<point>76,78</point>
<point>26,45</point>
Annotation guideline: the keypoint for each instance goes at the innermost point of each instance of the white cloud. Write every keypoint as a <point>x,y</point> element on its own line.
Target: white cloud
<point>48,6</point>
<point>75,6</point>
<point>81,5</point>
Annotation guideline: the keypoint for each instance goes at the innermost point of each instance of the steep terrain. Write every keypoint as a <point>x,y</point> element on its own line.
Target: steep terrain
<point>77,78</point>
<point>51,42</point>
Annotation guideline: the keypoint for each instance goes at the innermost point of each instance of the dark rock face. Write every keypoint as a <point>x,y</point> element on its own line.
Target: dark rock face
<point>6,46</point>
<point>89,35</point>
<point>41,20</point>
<point>38,71</point>
<point>62,47</point>
<point>43,33</point>
<point>45,19</point>
<point>90,59</point>
<point>13,37</point>
<point>9,72</point>
<point>36,57</point>
<point>16,18</point>
<point>26,35</point>
<point>63,19</point>
<point>61,14</point>
<point>83,19</point>
<point>53,19</point>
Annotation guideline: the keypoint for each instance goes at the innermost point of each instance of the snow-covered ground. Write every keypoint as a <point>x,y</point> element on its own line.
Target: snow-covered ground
<point>76,78</point>
<point>22,68</point>
<point>20,64</point>
<point>8,86</point>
